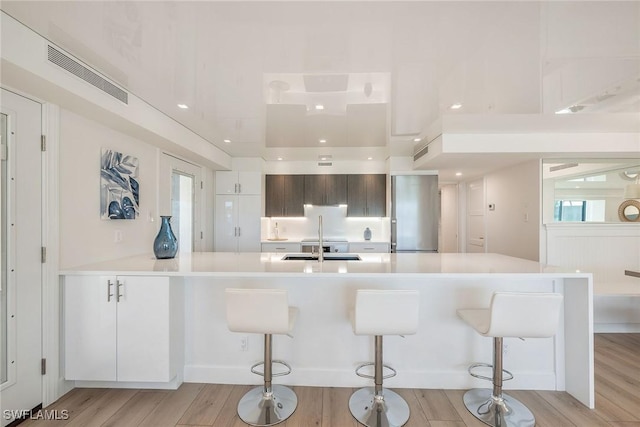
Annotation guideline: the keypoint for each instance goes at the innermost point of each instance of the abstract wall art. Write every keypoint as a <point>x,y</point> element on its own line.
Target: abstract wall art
<point>119,188</point>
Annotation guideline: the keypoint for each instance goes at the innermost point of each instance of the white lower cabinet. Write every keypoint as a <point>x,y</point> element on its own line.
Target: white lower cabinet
<point>280,247</point>
<point>122,328</point>
<point>373,247</point>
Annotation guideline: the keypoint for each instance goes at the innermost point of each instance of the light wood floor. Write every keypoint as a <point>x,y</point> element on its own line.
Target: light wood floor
<point>617,370</point>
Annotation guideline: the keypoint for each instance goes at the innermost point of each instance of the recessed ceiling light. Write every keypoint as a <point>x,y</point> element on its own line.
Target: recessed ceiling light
<point>458,173</point>
<point>279,158</point>
<point>369,158</point>
<point>417,139</point>
<point>183,106</point>
<point>228,141</point>
<point>322,141</point>
<point>456,106</point>
<point>319,107</point>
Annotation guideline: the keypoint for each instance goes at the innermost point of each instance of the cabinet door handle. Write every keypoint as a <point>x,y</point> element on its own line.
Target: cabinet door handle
<point>239,188</point>
<point>118,294</point>
<point>109,294</point>
<point>238,231</point>
<point>235,187</point>
<point>235,231</point>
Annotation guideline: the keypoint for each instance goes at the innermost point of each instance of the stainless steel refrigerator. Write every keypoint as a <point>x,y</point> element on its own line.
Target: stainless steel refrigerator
<point>415,213</point>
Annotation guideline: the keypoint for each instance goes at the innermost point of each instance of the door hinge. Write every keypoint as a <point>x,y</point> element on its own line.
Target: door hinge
<point>43,366</point>
<point>43,254</point>
<point>43,142</point>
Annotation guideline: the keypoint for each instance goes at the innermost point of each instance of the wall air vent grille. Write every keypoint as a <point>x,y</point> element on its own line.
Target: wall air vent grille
<point>421,152</point>
<point>74,67</point>
<point>325,163</point>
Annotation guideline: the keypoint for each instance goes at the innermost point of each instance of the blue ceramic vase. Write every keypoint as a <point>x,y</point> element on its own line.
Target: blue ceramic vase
<point>165,245</point>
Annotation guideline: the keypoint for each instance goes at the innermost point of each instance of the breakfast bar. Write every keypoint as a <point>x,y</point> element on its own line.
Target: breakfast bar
<point>323,350</point>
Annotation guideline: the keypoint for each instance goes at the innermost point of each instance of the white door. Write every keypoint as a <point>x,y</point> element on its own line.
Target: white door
<point>143,329</point>
<point>226,182</point>
<point>90,327</point>
<point>180,197</point>
<point>21,237</point>
<point>249,223</point>
<point>226,224</point>
<point>475,217</point>
<point>249,182</point>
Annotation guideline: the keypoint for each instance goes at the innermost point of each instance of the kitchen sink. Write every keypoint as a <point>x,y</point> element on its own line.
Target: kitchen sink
<point>327,257</point>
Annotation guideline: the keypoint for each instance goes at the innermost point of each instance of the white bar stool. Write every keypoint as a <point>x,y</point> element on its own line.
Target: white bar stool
<point>378,313</point>
<point>514,315</point>
<point>263,311</point>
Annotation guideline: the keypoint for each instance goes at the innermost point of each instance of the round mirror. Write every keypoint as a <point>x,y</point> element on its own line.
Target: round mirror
<point>629,210</point>
<point>629,175</point>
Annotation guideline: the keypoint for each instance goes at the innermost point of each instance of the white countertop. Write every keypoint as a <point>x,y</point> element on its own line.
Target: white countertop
<point>261,264</point>
<point>299,240</point>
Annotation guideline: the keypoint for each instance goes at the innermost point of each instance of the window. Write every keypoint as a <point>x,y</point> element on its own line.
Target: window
<point>579,210</point>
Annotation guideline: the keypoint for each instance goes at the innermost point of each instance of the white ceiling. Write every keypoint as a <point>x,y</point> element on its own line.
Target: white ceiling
<point>253,72</point>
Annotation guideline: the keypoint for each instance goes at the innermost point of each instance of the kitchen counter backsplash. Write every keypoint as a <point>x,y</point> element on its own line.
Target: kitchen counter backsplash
<point>335,224</point>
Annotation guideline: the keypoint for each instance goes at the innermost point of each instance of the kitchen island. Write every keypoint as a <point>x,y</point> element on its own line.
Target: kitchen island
<point>324,351</point>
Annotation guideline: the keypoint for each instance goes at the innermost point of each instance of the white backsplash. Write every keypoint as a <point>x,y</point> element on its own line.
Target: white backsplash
<point>335,224</point>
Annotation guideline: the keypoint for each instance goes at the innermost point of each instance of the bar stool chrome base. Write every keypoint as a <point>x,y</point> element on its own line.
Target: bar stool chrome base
<point>504,411</point>
<point>260,408</point>
<point>387,410</point>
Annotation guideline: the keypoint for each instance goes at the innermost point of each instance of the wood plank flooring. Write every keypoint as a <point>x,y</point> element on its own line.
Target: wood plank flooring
<point>617,372</point>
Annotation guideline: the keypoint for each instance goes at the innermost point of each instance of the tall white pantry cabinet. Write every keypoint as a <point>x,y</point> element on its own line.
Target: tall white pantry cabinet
<point>238,208</point>
<point>123,328</point>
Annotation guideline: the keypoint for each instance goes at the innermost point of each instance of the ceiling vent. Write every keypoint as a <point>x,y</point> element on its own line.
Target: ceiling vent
<point>562,166</point>
<point>76,68</point>
<point>325,163</point>
<point>421,152</point>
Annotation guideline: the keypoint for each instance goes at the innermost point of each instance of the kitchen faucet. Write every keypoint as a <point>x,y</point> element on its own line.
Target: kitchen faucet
<point>320,244</point>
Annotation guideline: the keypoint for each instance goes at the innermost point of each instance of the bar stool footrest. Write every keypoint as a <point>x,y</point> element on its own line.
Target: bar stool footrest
<point>276,374</point>
<point>384,377</point>
<point>487,365</point>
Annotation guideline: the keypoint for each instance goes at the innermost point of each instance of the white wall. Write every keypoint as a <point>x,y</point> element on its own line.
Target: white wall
<point>84,236</point>
<point>513,227</point>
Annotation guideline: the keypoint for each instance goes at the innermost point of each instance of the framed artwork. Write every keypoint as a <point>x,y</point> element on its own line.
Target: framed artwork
<point>119,188</point>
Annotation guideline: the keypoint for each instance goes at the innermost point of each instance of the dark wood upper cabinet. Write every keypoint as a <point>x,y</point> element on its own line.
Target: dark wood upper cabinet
<point>274,195</point>
<point>376,195</point>
<point>367,195</point>
<point>336,189</point>
<point>325,189</point>
<point>284,195</point>
<point>364,195</point>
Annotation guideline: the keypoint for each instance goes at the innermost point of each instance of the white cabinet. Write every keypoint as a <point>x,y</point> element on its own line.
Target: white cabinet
<point>280,247</point>
<point>122,328</point>
<point>237,221</point>
<point>238,208</point>
<point>373,247</point>
<point>238,182</point>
